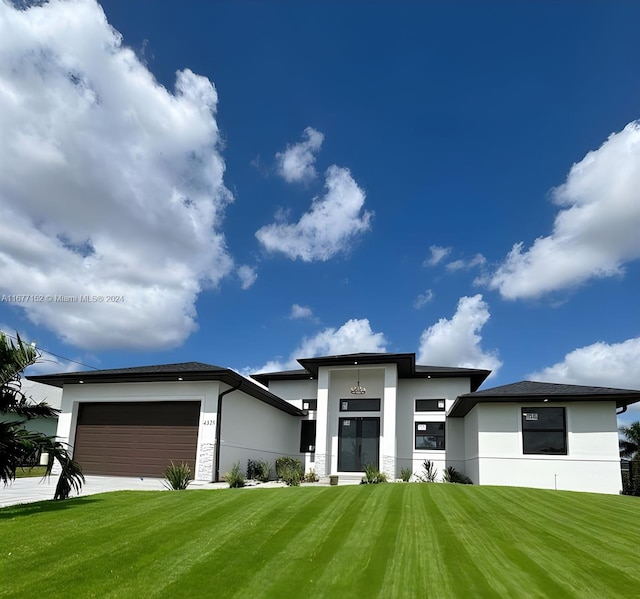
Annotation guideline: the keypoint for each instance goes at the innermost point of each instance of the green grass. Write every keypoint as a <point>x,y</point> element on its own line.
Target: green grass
<point>393,540</point>
<point>27,472</point>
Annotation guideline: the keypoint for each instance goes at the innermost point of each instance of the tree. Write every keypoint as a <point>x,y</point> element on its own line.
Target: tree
<point>19,446</point>
<point>630,449</point>
<point>630,444</point>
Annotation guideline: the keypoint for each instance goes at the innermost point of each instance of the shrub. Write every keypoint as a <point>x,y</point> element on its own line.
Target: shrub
<point>259,470</point>
<point>292,477</point>
<point>451,475</point>
<point>234,477</point>
<point>285,463</point>
<point>311,477</point>
<point>373,476</point>
<point>430,472</point>
<point>405,474</point>
<point>177,477</point>
<point>630,486</point>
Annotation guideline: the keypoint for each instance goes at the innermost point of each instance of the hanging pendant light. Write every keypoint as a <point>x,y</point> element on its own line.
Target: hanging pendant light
<point>358,390</point>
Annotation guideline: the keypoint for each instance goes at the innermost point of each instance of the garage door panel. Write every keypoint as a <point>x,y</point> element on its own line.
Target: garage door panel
<point>136,438</point>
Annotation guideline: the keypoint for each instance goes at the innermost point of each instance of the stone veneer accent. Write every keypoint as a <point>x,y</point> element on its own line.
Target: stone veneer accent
<point>205,462</point>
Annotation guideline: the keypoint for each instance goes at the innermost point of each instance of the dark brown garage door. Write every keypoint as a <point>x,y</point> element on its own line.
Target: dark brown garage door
<point>136,438</point>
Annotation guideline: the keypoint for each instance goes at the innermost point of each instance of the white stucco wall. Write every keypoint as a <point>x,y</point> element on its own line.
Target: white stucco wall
<point>253,430</point>
<point>591,464</point>
<point>295,391</point>
<point>408,391</point>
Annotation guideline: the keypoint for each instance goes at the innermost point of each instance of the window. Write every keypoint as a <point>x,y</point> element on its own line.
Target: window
<point>430,405</point>
<point>308,436</point>
<point>310,404</point>
<point>429,435</point>
<point>544,431</point>
<point>360,405</point>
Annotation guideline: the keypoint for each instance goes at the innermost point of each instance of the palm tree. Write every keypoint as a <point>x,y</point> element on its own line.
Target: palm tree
<point>630,445</point>
<point>17,445</point>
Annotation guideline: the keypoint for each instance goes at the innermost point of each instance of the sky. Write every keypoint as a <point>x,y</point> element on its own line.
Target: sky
<point>247,183</point>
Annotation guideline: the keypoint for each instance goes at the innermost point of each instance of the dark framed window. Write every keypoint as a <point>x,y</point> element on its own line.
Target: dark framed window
<point>430,405</point>
<point>308,436</point>
<point>429,435</point>
<point>544,431</point>
<point>360,405</point>
<point>310,404</point>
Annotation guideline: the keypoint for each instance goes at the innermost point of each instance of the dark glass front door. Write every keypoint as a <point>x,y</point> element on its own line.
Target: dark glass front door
<point>358,443</point>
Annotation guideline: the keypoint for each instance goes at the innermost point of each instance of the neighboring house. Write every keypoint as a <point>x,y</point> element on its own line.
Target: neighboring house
<point>340,413</point>
<point>38,392</point>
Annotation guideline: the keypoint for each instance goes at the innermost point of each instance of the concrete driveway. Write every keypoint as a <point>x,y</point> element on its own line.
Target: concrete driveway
<point>28,490</point>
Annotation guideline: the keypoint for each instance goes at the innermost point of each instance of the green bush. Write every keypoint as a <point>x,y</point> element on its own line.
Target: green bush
<point>311,477</point>
<point>259,470</point>
<point>373,476</point>
<point>451,475</point>
<point>630,486</point>
<point>405,474</point>
<point>177,477</point>
<point>430,472</point>
<point>286,463</point>
<point>234,478</point>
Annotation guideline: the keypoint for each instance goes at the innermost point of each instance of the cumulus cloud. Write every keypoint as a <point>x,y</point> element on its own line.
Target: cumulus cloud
<point>300,312</point>
<point>247,275</point>
<point>457,342</point>
<point>477,260</point>
<point>296,163</point>
<point>596,230</point>
<point>330,226</point>
<point>353,336</point>
<point>110,185</point>
<point>600,364</point>
<point>423,298</point>
<point>438,253</point>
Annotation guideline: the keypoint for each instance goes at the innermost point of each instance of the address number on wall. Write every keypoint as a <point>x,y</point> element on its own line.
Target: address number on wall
<point>209,422</point>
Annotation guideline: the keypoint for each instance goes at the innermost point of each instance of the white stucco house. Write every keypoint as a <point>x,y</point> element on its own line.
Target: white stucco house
<point>340,413</point>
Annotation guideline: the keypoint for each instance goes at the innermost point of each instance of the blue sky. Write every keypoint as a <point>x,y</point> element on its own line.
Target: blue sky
<point>262,181</point>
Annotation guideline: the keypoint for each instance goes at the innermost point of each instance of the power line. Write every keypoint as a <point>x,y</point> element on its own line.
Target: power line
<point>46,351</point>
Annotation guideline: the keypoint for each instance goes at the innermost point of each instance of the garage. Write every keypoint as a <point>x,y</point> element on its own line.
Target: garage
<point>136,438</point>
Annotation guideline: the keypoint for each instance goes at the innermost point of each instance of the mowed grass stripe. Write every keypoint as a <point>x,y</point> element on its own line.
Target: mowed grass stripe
<point>393,540</point>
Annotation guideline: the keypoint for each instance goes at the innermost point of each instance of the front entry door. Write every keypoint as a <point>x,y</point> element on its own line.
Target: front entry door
<point>358,443</point>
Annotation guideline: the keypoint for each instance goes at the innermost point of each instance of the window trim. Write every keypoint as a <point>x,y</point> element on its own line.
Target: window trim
<point>443,436</point>
<point>528,432</point>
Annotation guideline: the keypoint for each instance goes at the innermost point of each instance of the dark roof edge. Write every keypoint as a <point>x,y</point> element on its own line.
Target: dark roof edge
<point>465,403</point>
<point>224,375</point>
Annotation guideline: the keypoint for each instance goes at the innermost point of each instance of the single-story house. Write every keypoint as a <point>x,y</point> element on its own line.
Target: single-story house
<point>340,413</point>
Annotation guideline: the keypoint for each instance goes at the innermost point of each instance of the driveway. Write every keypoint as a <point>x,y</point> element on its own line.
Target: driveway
<point>28,490</point>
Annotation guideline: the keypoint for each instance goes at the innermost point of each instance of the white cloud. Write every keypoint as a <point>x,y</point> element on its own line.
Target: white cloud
<point>296,163</point>
<point>247,275</point>
<point>438,253</point>
<point>298,312</point>
<point>600,365</point>
<point>329,227</point>
<point>423,298</point>
<point>456,342</point>
<point>110,185</point>
<point>596,230</point>
<point>477,260</point>
<point>354,336</point>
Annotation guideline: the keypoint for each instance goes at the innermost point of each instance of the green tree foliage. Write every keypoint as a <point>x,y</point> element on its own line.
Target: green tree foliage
<point>630,449</point>
<point>630,444</point>
<point>19,446</point>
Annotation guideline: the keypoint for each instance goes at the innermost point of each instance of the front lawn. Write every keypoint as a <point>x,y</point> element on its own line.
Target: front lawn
<point>31,471</point>
<point>390,540</point>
